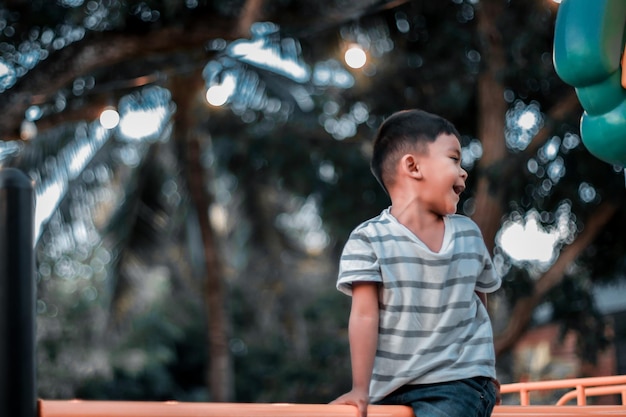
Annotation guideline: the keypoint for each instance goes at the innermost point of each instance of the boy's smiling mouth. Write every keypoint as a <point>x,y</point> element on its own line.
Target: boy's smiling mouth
<point>458,189</point>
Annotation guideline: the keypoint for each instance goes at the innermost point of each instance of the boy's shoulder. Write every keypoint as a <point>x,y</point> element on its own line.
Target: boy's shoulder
<point>463,222</point>
<point>373,223</point>
<point>461,219</point>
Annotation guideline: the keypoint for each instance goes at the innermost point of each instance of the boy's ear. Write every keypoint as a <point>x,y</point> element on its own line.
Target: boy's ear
<point>410,166</point>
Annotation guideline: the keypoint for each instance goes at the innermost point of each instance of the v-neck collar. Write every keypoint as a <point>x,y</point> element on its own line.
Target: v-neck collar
<point>447,233</point>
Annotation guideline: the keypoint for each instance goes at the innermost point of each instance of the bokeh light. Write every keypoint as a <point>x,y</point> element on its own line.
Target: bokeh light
<point>141,124</point>
<point>218,95</point>
<point>109,118</point>
<point>355,57</point>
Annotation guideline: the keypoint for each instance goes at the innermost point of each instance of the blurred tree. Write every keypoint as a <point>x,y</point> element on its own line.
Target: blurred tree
<point>292,145</point>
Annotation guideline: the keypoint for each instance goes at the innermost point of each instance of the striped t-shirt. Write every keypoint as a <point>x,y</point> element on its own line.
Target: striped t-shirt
<point>432,327</point>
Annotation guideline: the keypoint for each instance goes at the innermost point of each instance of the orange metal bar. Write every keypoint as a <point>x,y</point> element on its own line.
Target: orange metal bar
<point>72,408</point>
<point>581,385</point>
<point>553,410</point>
<point>524,397</point>
<point>595,392</point>
<point>581,397</point>
<point>581,388</point>
<point>76,408</point>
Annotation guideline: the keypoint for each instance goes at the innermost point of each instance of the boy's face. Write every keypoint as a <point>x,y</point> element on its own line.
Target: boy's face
<point>443,178</point>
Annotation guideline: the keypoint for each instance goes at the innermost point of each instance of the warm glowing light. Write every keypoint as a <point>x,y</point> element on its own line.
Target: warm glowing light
<point>109,118</point>
<point>217,95</point>
<point>355,57</point>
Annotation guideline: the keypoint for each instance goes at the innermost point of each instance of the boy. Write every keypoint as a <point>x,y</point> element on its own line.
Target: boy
<point>418,275</point>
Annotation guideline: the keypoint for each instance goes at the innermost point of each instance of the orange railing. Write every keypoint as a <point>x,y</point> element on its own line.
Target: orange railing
<point>56,408</point>
<point>579,389</point>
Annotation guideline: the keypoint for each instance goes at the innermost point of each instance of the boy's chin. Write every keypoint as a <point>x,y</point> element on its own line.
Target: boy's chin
<point>451,210</point>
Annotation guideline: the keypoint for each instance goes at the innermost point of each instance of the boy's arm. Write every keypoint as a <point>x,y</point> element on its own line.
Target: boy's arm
<point>483,297</point>
<point>363,335</point>
<point>496,383</point>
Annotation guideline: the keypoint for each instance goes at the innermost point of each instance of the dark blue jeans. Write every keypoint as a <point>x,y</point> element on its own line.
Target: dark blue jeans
<point>472,397</point>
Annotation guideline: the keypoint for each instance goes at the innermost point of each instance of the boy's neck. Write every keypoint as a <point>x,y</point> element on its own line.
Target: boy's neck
<point>426,225</point>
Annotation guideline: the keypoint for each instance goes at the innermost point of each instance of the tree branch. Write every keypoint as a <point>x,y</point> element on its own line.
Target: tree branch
<point>251,13</point>
<point>562,110</point>
<point>522,311</point>
<point>100,50</point>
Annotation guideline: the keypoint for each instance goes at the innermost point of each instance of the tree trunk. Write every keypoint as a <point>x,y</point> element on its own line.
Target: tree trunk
<point>250,14</point>
<point>187,94</point>
<point>491,114</point>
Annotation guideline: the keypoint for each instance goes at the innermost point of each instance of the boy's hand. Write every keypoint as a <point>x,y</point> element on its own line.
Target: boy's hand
<point>356,398</point>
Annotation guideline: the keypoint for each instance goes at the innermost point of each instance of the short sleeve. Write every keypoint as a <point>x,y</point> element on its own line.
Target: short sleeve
<point>358,263</point>
<point>488,280</point>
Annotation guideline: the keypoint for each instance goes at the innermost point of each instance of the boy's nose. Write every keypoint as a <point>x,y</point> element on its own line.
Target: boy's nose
<point>463,174</point>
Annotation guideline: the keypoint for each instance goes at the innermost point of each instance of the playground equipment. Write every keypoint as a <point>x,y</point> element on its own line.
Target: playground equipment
<point>17,296</point>
<point>589,41</point>
<point>579,389</point>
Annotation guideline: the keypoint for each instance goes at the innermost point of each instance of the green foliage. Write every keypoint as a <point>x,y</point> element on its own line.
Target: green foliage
<point>163,358</point>
<point>270,369</point>
<point>575,309</point>
<point>517,283</point>
<point>293,163</point>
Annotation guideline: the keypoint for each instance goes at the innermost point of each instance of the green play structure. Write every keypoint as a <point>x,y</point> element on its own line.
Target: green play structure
<point>589,43</point>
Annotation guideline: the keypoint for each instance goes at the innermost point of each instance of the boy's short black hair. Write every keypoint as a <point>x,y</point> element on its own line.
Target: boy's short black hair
<point>402,132</point>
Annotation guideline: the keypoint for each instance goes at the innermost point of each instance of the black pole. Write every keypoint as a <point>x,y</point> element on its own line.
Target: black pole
<point>18,397</point>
